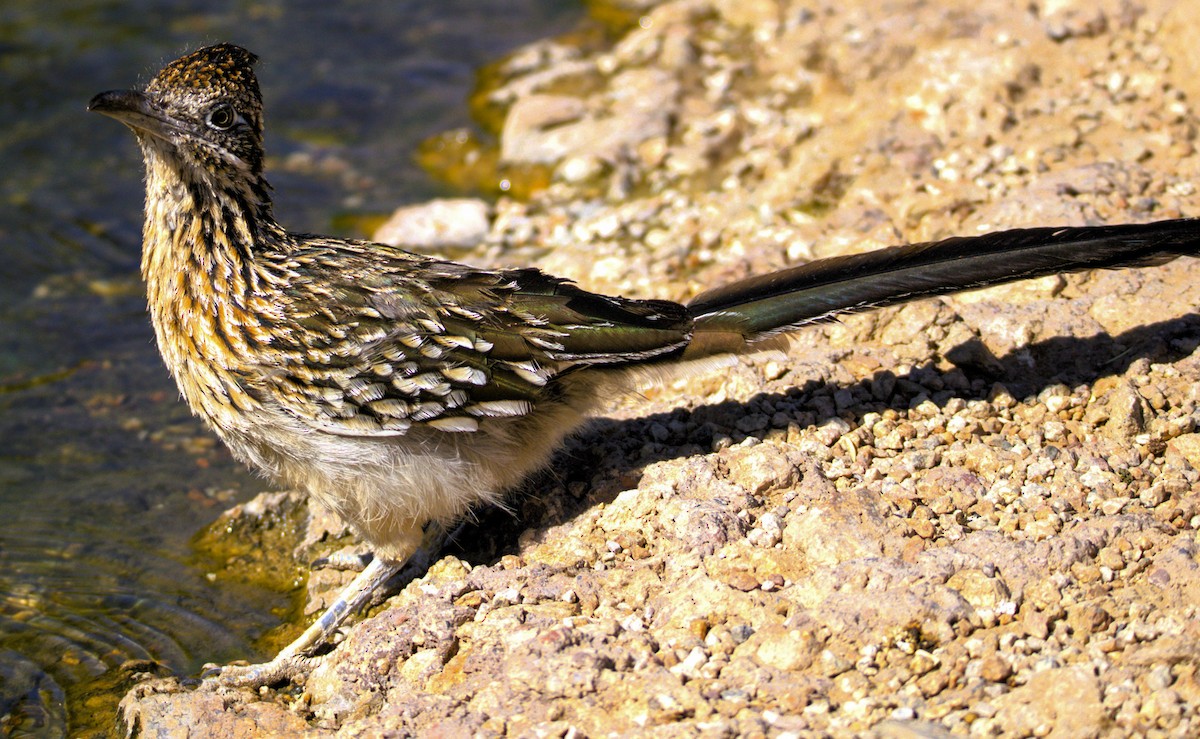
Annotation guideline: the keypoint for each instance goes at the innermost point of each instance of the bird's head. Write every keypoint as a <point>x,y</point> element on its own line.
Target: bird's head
<point>201,116</point>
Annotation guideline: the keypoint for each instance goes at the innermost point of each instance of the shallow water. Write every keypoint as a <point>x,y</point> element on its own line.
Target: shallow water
<point>104,477</point>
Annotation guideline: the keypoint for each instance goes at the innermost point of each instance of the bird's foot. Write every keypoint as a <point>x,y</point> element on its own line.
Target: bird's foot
<point>293,668</point>
<point>295,662</point>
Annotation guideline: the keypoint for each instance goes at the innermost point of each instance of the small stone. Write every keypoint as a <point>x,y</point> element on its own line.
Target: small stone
<point>1154,495</point>
<point>981,591</point>
<point>690,666</point>
<point>508,596</point>
<point>743,581</point>
<point>580,169</point>
<point>633,623</point>
<point>1088,618</point>
<point>1162,708</point>
<point>1160,678</point>
<point>772,583</point>
<point>1113,506</point>
<point>923,661</point>
<point>1186,446</point>
<point>785,649</point>
<point>995,668</point>
<point>832,665</point>
<point>762,538</point>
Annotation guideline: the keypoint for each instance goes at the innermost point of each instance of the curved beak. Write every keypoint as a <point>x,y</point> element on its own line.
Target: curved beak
<point>136,110</point>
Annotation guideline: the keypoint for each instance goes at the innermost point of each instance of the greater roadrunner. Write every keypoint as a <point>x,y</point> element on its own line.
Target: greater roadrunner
<point>400,390</point>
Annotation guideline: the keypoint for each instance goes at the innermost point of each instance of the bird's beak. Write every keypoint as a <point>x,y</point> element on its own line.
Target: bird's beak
<point>136,110</point>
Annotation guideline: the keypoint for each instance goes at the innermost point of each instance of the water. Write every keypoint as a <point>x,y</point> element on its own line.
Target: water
<point>104,477</point>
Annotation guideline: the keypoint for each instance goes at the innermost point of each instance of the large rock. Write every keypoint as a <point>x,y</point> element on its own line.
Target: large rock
<point>450,223</point>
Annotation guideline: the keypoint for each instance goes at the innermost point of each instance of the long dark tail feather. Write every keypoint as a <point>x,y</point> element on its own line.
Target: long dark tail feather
<point>818,291</point>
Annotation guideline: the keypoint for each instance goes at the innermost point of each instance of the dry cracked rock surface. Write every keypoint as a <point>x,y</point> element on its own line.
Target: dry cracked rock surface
<point>971,515</point>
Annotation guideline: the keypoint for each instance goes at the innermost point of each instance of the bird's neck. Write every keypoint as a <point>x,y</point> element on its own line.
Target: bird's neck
<point>206,263</point>
<point>201,224</point>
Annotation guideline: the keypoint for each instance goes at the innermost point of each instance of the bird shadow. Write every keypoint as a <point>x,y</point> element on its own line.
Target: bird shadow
<point>608,455</point>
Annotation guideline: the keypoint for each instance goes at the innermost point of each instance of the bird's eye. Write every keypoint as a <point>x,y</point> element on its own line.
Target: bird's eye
<point>221,118</point>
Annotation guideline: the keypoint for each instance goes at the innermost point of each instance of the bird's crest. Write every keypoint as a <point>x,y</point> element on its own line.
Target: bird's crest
<point>220,70</point>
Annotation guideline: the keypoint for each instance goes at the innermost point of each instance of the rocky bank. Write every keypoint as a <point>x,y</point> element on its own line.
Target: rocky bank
<point>970,515</point>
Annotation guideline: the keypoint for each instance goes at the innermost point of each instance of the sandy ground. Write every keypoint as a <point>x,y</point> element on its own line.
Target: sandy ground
<point>970,515</point>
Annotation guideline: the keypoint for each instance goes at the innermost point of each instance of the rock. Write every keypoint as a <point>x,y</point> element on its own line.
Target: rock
<point>984,593</point>
<point>545,129</point>
<point>761,468</point>
<point>1188,447</point>
<point>1063,702</point>
<point>452,223</point>
<point>1125,407</point>
<point>995,668</point>
<point>835,528</point>
<point>161,708</point>
<point>526,137</point>
<point>781,648</point>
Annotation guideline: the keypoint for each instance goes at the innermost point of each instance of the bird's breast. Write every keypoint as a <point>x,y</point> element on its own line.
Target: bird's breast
<point>208,329</point>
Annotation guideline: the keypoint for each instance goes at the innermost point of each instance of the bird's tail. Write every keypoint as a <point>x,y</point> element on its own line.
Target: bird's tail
<point>728,317</point>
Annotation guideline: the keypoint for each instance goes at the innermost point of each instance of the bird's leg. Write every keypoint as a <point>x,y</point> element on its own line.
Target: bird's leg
<point>294,660</point>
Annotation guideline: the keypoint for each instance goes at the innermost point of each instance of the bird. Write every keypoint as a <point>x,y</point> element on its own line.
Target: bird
<point>402,391</point>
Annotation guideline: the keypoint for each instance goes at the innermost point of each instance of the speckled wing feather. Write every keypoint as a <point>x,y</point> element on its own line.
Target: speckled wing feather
<point>380,344</point>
